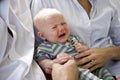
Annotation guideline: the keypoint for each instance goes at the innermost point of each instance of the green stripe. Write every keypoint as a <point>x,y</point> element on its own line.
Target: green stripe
<point>47,49</point>
<point>58,49</point>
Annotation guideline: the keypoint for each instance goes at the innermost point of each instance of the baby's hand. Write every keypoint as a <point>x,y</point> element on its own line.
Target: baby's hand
<point>80,47</point>
<point>62,58</point>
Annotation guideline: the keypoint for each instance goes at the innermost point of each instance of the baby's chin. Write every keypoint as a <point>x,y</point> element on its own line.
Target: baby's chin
<point>62,41</point>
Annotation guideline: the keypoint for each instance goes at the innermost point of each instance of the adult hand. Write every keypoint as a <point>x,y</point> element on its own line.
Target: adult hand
<point>93,58</point>
<point>67,71</point>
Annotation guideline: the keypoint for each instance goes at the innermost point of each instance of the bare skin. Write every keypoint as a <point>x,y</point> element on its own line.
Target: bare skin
<point>68,71</point>
<point>99,56</point>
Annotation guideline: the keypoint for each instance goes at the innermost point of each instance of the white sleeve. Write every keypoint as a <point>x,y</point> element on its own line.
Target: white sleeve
<point>116,4</point>
<point>16,53</point>
<point>3,39</point>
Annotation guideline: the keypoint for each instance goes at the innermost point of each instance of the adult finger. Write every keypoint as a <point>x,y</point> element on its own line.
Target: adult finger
<point>94,67</point>
<point>83,54</point>
<point>90,64</point>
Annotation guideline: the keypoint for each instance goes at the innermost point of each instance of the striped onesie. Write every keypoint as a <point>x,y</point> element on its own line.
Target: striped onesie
<point>49,50</point>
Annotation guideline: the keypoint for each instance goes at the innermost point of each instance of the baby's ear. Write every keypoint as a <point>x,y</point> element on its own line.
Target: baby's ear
<point>41,36</point>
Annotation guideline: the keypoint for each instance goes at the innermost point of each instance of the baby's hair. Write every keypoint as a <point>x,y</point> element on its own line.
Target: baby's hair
<point>45,12</point>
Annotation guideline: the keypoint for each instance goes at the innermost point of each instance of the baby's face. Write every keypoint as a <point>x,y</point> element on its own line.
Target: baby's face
<point>56,29</point>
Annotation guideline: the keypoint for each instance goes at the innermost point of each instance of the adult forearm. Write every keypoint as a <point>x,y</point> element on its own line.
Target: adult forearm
<point>114,52</point>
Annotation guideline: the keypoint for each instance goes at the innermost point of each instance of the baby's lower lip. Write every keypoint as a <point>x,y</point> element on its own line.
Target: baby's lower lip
<point>62,35</point>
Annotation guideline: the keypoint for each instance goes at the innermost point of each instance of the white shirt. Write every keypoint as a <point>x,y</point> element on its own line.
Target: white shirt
<point>16,53</point>
<point>101,29</point>
<point>116,4</point>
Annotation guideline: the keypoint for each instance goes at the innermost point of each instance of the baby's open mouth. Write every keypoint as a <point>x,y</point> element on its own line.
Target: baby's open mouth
<point>62,35</point>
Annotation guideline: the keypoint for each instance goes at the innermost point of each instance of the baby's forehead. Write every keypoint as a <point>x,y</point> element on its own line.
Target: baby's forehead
<point>48,15</point>
<point>51,17</point>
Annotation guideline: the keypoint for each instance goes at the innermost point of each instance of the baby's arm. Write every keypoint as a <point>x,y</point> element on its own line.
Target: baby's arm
<point>46,64</point>
<point>80,47</point>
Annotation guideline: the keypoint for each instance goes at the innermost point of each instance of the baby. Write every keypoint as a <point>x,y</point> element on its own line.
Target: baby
<point>59,45</point>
